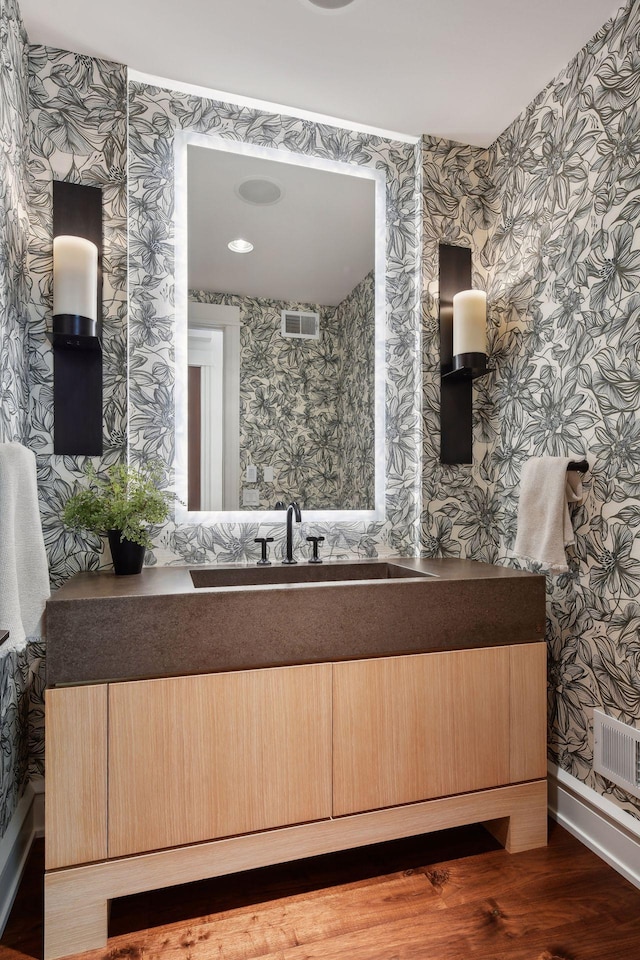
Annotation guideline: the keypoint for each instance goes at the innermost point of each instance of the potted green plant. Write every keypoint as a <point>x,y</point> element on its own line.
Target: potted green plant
<point>121,505</point>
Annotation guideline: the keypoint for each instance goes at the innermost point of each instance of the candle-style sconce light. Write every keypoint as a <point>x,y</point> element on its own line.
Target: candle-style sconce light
<point>470,333</point>
<point>77,319</point>
<point>75,286</point>
<point>463,351</point>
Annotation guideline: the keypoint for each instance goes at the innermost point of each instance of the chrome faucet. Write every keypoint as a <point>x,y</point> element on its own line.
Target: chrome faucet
<point>292,509</point>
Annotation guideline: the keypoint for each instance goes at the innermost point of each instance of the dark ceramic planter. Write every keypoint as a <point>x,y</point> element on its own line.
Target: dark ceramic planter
<point>127,556</point>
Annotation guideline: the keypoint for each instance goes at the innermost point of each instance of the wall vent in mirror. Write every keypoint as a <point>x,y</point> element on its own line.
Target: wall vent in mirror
<point>297,323</point>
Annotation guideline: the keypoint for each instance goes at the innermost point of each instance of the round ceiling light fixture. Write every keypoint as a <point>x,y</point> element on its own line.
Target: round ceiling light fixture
<point>330,4</point>
<point>240,246</point>
<point>261,191</point>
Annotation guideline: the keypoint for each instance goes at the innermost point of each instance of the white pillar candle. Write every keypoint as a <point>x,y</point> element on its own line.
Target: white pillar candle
<point>470,322</point>
<point>75,277</point>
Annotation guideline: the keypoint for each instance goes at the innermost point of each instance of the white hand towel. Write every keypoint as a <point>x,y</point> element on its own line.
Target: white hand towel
<point>544,522</point>
<point>24,573</point>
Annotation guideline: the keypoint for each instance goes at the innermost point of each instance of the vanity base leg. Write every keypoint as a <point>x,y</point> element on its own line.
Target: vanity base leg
<point>525,828</point>
<point>73,922</point>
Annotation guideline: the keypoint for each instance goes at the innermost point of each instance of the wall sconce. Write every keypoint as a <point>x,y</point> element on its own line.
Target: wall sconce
<point>77,319</point>
<point>463,348</point>
<point>470,333</point>
<point>75,286</point>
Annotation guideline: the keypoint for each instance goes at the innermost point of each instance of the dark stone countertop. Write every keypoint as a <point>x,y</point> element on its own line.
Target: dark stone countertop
<point>158,624</point>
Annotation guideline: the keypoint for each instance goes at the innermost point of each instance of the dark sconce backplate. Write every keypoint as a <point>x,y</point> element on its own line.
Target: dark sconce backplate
<point>456,414</point>
<point>77,358</point>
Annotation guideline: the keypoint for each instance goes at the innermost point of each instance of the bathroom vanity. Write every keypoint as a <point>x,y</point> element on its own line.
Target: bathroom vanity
<point>198,730</point>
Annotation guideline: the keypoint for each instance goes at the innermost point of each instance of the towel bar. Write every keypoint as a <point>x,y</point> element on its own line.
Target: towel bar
<point>581,465</point>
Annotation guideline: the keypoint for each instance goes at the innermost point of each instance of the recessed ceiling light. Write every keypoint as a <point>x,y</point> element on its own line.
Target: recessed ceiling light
<point>261,191</point>
<point>240,246</point>
<point>330,4</point>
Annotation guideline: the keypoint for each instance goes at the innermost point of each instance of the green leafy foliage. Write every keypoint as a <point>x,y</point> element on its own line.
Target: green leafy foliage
<point>127,499</point>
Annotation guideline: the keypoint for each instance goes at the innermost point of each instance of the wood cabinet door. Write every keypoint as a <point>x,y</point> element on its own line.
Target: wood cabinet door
<point>416,727</point>
<point>76,775</point>
<point>195,758</point>
<point>528,711</point>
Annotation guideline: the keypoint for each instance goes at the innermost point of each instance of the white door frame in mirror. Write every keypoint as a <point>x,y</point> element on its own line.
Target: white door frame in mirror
<point>182,140</point>
<point>218,316</point>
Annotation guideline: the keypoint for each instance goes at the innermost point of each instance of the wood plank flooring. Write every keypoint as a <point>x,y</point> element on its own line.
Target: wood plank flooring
<point>453,895</point>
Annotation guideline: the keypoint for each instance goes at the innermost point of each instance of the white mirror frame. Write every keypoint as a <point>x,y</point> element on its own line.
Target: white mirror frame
<point>182,140</point>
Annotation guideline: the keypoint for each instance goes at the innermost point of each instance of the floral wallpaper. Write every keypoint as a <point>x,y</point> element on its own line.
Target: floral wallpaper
<point>14,225</point>
<point>306,406</point>
<point>21,712</point>
<point>568,380</point>
<point>21,723</point>
<point>154,116</point>
<point>67,122</point>
<point>552,213</point>
<point>460,512</point>
<point>78,132</point>
<point>355,318</point>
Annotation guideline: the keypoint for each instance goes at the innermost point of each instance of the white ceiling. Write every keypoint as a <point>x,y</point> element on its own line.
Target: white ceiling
<point>314,245</point>
<point>462,69</point>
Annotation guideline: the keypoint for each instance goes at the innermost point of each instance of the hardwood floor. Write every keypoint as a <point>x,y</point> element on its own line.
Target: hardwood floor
<point>454,895</point>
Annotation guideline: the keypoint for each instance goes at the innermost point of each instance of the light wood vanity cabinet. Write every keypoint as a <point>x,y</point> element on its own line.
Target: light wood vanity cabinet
<point>437,724</point>
<point>412,728</point>
<point>76,785</point>
<point>156,782</point>
<point>194,758</point>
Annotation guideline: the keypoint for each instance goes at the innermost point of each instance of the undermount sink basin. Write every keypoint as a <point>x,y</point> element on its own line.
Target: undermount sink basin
<point>301,573</point>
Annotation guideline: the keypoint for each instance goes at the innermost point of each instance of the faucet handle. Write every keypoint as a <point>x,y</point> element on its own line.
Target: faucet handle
<point>264,561</point>
<point>315,541</point>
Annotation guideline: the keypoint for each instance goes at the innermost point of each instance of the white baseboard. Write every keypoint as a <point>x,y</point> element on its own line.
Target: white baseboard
<point>26,824</point>
<point>597,822</point>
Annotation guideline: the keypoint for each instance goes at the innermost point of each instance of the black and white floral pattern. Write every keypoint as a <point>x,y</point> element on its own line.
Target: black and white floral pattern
<point>14,226</point>
<point>355,319</point>
<point>306,406</point>
<point>570,199</point>
<point>63,117</point>
<point>21,677</point>
<point>21,722</point>
<point>78,132</point>
<point>552,213</point>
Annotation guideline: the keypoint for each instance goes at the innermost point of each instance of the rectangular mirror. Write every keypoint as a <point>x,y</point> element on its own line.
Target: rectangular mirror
<point>279,349</point>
